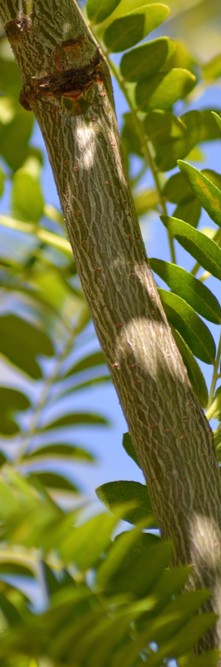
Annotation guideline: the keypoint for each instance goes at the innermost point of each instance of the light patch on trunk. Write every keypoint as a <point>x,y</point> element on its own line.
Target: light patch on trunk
<point>206,542</point>
<point>85,137</point>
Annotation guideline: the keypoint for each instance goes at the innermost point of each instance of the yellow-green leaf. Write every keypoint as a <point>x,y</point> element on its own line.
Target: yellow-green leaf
<point>189,210</point>
<point>146,59</point>
<point>208,193</point>
<point>163,89</point>
<point>191,289</point>
<point>22,342</point>
<point>99,10</point>
<point>212,69</point>
<point>76,419</point>
<point>27,198</point>
<point>200,246</point>
<point>190,326</point>
<point>58,452</point>
<point>131,28</point>
<point>217,118</point>
<point>178,190</point>
<point>208,658</point>
<point>116,494</point>
<point>195,374</point>
<point>11,401</point>
<point>129,448</point>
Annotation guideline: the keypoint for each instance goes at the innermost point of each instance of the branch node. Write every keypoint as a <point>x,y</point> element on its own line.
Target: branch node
<point>17,27</point>
<point>71,84</point>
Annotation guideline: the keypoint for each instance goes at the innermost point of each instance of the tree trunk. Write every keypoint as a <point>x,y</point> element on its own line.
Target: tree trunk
<point>66,83</point>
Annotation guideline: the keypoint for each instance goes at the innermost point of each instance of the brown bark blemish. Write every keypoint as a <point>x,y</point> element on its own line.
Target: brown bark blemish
<point>70,83</point>
<point>14,29</point>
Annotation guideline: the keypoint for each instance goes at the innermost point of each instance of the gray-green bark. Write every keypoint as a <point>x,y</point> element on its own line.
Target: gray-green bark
<point>66,84</point>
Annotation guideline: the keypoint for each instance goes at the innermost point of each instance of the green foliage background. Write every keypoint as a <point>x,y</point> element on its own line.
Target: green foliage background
<point>105,600</point>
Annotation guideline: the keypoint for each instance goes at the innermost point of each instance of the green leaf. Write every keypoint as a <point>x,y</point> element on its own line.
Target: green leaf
<point>21,342</point>
<point>217,441</point>
<point>189,211</point>
<point>107,635</point>
<point>10,567</point>
<point>177,612</point>
<point>146,59</point>
<point>76,419</point>
<point>27,198</point>
<point>84,545</point>
<point>174,138</point>
<point>200,246</point>
<point>145,200</point>
<point>56,452</point>
<point>9,76</point>
<point>190,326</point>
<point>11,401</point>
<point>113,494</point>
<point>51,281</point>
<point>128,6</point>
<point>195,374</point>
<point>15,138</point>
<point>213,176</point>
<point>215,407</point>
<point>182,57</point>
<point>89,630</point>
<point>208,193</point>
<point>162,126</point>
<point>174,623</point>
<point>191,289</point>
<point>9,505</point>
<point>166,132</point>
<point>8,110</point>
<point>130,137</point>
<point>91,361</point>
<point>53,480</point>
<point>171,582</point>
<point>129,448</point>
<point>9,611</point>
<point>177,189</point>
<point>187,637</point>
<point>99,10</point>
<point>3,459</point>
<point>218,398</point>
<point>212,69</point>
<point>208,658</point>
<point>52,583</point>
<point>200,123</point>
<point>64,391</point>
<point>217,118</point>
<point>163,89</point>
<point>126,569</point>
<point>131,28</point>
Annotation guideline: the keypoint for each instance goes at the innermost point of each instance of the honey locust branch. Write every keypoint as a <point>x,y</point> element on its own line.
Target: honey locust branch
<point>66,83</point>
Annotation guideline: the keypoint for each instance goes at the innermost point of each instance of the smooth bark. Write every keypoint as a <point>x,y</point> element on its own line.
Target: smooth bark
<point>66,83</point>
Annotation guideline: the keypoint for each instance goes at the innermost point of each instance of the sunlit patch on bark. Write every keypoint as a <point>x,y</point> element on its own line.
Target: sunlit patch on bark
<point>85,137</point>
